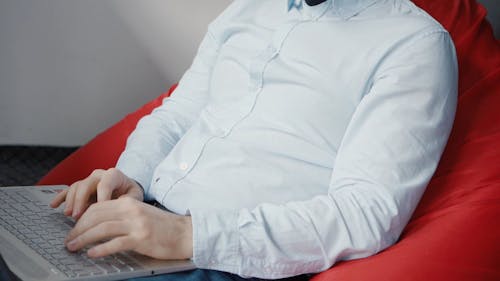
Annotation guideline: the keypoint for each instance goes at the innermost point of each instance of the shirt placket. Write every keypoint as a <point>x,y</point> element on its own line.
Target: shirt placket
<point>180,162</point>
<point>256,71</point>
<point>188,154</point>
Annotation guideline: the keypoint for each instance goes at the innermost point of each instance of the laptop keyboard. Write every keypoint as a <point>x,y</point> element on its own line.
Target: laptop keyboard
<point>44,230</point>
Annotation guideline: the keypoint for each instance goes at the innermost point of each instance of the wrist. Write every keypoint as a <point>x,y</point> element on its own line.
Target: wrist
<point>136,191</point>
<point>187,237</point>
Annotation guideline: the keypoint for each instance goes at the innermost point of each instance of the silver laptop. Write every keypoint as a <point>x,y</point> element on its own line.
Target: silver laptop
<point>32,243</point>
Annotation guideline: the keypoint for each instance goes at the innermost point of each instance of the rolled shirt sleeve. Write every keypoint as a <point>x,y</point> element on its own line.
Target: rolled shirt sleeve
<point>388,154</point>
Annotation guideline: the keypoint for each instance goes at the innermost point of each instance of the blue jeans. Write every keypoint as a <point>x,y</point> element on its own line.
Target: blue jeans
<point>208,275</point>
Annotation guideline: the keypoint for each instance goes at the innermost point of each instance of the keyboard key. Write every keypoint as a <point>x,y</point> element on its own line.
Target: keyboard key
<point>37,240</point>
<point>108,268</point>
<point>120,266</point>
<point>83,274</point>
<point>44,230</point>
<point>69,273</point>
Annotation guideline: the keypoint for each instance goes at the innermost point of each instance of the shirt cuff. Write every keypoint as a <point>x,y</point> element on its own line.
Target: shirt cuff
<point>135,169</point>
<point>216,240</point>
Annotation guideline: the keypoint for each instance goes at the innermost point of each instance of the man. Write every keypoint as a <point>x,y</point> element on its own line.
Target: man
<point>302,134</point>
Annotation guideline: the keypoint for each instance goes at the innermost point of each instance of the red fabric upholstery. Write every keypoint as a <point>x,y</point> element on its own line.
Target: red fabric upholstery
<point>101,152</point>
<point>454,233</point>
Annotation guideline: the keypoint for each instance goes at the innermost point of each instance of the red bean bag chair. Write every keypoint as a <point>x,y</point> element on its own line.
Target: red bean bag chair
<point>455,232</point>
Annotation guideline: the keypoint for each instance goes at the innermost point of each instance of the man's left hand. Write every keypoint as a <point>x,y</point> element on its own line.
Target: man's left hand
<point>128,224</point>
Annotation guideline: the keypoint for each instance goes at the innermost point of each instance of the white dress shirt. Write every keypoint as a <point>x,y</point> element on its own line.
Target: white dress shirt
<point>300,137</point>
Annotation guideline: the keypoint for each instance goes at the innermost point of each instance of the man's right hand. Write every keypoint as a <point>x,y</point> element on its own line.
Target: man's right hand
<point>101,185</point>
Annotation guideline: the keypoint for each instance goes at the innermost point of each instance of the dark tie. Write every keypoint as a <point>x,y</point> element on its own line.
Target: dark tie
<point>314,2</point>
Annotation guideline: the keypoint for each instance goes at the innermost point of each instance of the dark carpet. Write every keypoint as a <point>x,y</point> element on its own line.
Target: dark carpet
<point>25,165</point>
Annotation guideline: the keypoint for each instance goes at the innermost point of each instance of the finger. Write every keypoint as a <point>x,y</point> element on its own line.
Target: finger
<point>68,210</point>
<point>112,180</point>
<point>85,206</point>
<point>85,189</point>
<point>118,244</point>
<point>105,230</point>
<point>96,214</point>
<point>59,198</point>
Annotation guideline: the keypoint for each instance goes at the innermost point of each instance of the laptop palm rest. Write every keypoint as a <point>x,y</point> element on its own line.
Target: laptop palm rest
<point>24,264</point>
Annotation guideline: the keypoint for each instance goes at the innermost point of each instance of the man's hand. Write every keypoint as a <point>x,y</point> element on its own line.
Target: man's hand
<point>100,186</point>
<point>132,225</point>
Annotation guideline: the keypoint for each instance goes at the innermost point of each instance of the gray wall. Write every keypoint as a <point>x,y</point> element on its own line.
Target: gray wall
<point>69,69</point>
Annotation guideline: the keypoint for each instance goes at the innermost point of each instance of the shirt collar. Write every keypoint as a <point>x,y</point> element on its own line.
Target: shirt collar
<point>294,4</point>
<point>342,8</point>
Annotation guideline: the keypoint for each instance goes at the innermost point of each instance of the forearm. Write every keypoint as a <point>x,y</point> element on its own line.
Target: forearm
<point>277,241</point>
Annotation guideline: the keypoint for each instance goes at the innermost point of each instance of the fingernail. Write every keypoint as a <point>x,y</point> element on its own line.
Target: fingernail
<point>75,213</point>
<point>91,252</point>
<point>71,244</point>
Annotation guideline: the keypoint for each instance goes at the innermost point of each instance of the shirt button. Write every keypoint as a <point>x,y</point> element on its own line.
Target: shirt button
<point>183,166</point>
<point>157,179</point>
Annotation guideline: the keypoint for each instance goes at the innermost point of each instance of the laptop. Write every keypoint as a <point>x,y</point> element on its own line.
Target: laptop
<point>32,243</point>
